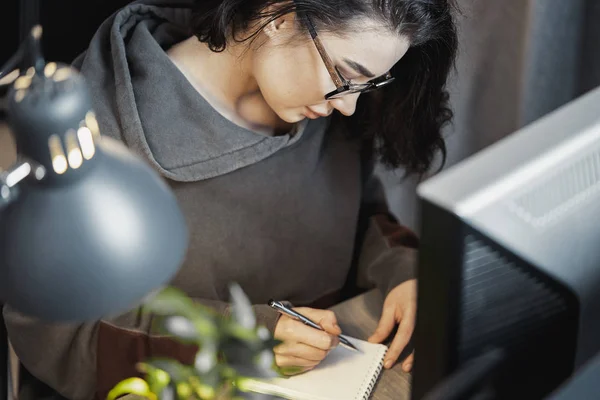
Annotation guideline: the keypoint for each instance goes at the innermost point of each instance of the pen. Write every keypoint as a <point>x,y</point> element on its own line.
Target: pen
<point>279,307</point>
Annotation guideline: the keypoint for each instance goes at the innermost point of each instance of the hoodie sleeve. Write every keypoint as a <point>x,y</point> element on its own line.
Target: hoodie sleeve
<point>388,250</point>
<point>85,361</point>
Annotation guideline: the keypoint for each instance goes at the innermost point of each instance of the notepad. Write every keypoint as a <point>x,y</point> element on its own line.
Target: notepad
<point>343,375</point>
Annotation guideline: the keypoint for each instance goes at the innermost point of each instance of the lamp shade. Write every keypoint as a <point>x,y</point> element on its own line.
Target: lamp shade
<point>101,230</point>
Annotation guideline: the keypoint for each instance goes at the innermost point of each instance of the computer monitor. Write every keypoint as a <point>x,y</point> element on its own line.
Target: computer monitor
<point>509,269</point>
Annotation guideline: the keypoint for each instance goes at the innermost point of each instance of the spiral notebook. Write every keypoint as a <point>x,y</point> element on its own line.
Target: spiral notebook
<point>343,375</point>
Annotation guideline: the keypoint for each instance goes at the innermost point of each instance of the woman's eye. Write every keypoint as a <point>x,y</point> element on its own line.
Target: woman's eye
<point>344,75</point>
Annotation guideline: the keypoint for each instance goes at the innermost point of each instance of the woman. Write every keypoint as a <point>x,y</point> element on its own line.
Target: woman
<point>257,113</point>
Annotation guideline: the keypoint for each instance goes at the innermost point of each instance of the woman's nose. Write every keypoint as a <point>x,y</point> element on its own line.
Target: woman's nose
<point>346,104</point>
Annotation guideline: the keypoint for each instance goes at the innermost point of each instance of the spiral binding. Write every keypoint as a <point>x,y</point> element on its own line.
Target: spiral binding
<point>369,386</point>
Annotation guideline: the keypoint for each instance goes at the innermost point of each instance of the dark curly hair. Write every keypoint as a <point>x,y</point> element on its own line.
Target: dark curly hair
<point>402,121</point>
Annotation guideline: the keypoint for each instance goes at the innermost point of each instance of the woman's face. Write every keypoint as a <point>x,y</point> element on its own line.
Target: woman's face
<point>292,76</point>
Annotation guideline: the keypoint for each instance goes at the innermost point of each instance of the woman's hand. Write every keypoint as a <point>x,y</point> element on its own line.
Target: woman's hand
<point>400,307</point>
<point>305,347</point>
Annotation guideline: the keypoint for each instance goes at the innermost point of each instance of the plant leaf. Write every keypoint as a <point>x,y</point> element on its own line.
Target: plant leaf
<point>136,386</point>
<point>212,379</point>
<point>238,353</point>
<point>177,371</point>
<point>174,302</point>
<point>252,368</point>
<point>184,390</point>
<point>242,311</point>
<point>169,393</point>
<point>170,301</point>
<point>205,392</point>
<point>286,372</point>
<point>229,350</point>
<point>265,361</point>
<point>237,331</point>
<point>181,327</point>
<point>206,358</point>
<point>263,333</point>
<point>157,379</point>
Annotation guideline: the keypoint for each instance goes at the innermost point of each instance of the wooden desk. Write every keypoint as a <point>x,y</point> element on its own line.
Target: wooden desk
<point>358,317</point>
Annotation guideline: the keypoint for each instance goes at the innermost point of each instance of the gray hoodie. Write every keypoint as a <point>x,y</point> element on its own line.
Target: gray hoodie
<point>292,217</point>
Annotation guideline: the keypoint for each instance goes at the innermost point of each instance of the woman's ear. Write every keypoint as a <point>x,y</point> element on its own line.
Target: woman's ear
<point>281,27</point>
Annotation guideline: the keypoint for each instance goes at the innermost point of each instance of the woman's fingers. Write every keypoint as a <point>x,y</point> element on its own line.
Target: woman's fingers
<point>408,363</point>
<point>326,319</point>
<point>400,341</point>
<point>291,361</point>
<point>304,346</point>
<point>290,330</point>
<point>300,350</point>
<point>386,324</point>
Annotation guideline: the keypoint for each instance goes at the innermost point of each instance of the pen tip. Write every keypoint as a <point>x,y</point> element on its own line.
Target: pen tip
<point>347,343</point>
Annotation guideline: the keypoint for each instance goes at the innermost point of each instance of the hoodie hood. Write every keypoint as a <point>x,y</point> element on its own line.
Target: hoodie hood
<point>143,99</point>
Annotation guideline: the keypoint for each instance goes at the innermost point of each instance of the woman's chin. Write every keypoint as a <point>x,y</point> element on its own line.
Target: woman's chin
<point>291,118</point>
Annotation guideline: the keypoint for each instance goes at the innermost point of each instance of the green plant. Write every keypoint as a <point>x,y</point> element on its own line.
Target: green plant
<point>231,349</point>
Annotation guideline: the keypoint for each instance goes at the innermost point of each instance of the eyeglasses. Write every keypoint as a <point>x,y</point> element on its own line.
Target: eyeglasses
<point>343,87</point>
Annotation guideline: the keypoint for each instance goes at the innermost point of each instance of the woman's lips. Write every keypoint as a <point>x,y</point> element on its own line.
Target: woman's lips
<point>313,115</point>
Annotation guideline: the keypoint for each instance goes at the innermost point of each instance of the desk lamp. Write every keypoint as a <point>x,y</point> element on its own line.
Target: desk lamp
<point>87,229</point>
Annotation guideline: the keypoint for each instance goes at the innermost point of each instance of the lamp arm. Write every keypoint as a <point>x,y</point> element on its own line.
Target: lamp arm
<point>10,178</point>
<point>29,51</point>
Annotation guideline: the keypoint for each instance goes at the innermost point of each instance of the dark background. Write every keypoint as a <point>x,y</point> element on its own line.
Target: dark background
<point>68,25</point>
